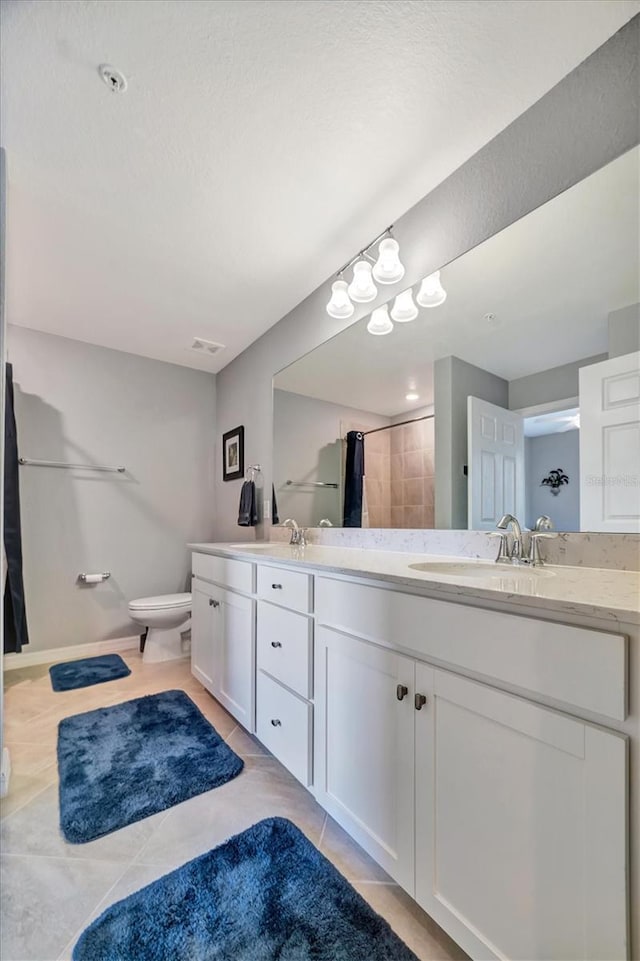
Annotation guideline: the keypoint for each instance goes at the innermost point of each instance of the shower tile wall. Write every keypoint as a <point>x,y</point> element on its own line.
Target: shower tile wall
<point>378,478</point>
<point>412,475</point>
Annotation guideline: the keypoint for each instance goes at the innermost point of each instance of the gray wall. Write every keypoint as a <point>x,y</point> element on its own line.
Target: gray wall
<point>85,404</point>
<point>454,381</point>
<point>624,330</point>
<point>543,454</point>
<point>556,383</point>
<point>307,446</point>
<point>583,123</point>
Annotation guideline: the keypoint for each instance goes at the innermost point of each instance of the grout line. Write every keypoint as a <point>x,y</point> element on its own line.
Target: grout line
<point>62,857</point>
<point>21,807</point>
<point>231,732</point>
<point>94,912</point>
<point>324,825</point>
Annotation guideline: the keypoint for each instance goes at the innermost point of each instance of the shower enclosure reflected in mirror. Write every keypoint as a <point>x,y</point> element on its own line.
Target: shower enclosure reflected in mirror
<point>518,391</point>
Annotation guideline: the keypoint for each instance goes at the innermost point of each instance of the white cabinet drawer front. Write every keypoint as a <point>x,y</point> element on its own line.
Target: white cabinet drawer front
<point>284,646</point>
<point>289,588</point>
<point>223,570</point>
<point>573,665</point>
<point>284,726</point>
<point>520,824</point>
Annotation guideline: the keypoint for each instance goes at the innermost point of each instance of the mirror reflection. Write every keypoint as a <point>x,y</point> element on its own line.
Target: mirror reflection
<point>507,382</point>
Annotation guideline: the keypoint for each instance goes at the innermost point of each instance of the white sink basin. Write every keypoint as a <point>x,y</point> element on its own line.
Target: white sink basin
<point>478,569</point>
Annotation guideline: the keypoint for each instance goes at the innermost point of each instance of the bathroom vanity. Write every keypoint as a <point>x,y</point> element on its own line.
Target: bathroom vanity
<point>476,731</point>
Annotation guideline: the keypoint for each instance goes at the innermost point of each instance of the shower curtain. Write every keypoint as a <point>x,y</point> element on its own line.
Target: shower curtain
<point>15,615</point>
<point>353,482</point>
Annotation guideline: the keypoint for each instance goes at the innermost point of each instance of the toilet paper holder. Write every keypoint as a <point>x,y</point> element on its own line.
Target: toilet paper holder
<point>94,578</point>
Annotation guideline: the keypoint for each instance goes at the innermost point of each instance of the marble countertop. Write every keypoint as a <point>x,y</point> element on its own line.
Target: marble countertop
<point>605,594</point>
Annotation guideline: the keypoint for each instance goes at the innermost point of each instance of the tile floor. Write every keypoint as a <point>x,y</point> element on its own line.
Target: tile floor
<point>51,890</point>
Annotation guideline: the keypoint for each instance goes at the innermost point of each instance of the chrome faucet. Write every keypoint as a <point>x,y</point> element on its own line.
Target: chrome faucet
<point>298,534</point>
<point>516,554</point>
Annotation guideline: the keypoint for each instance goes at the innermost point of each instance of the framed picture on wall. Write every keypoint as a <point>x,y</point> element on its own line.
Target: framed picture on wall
<point>233,454</point>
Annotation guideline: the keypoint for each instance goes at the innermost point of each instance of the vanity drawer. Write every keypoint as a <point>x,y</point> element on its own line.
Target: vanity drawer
<point>289,588</point>
<point>576,666</point>
<point>284,646</point>
<point>283,724</point>
<point>237,575</point>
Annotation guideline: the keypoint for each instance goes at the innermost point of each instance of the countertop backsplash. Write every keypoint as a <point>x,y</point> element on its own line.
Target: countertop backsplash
<point>608,551</point>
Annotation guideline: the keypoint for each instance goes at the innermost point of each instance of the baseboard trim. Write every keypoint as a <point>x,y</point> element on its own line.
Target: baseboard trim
<point>5,772</point>
<point>13,662</point>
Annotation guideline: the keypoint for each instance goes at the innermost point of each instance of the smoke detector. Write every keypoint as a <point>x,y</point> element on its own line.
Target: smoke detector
<point>206,346</point>
<point>115,81</point>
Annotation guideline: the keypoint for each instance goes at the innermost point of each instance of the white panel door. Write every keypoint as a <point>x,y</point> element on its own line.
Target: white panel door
<point>234,656</point>
<point>610,445</point>
<point>520,825</point>
<point>364,761</point>
<point>202,633</point>
<point>495,464</point>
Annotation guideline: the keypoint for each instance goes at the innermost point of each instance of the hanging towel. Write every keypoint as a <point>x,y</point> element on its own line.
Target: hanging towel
<point>16,634</point>
<point>353,482</point>
<point>248,511</point>
<point>275,516</point>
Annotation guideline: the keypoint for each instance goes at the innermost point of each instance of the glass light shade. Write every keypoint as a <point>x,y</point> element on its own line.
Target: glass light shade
<point>362,288</point>
<point>404,308</point>
<point>340,306</point>
<point>412,395</point>
<point>387,268</point>
<point>431,293</point>
<point>380,322</point>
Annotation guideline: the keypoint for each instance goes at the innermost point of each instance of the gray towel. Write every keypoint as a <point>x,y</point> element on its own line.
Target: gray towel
<point>248,511</point>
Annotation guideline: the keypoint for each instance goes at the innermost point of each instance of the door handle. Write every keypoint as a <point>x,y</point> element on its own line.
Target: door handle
<point>276,644</point>
<point>276,722</point>
<point>419,701</point>
<point>276,587</point>
<point>401,691</point>
<point>213,603</point>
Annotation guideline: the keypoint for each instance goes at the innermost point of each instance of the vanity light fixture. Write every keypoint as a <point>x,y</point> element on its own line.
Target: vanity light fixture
<point>380,322</point>
<point>387,269</point>
<point>412,396</point>
<point>431,293</point>
<point>404,308</point>
<point>340,305</point>
<point>362,288</point>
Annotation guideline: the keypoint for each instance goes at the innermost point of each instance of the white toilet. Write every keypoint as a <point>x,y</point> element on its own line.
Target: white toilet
<point>167,618</point>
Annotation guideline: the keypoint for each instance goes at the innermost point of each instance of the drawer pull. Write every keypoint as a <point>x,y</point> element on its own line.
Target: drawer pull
<point>213,603</point>
<point>419,701</point>
<point>401,691</point>
<point>276,722</point>
<point>276,644</point>
<point>277,587</point>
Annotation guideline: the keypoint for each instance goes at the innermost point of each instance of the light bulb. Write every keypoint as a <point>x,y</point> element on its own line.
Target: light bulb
<point>404,308</point>
<point>412,396</point>
<point>387,268</point>
<point>380,322</point>
<point>362,288</point>
<point>431,293</point>
<point>340,306</point>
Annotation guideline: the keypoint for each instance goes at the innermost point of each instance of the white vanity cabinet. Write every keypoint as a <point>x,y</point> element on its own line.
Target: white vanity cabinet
<point>504,818</point>
<point>223,635</point>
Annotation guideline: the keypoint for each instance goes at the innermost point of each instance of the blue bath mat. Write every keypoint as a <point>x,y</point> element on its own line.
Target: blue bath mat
<point>265,895</point>
<point>123,763</point>
<point>90,670</point>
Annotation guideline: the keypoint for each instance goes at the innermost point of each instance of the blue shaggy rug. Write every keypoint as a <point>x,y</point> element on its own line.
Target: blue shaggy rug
<point>123,763</point>
<point>90,670</point>
<point>265,895</point>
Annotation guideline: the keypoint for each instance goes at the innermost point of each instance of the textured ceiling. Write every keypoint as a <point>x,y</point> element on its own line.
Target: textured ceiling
<point>551,279</point>
<point>258,146</point>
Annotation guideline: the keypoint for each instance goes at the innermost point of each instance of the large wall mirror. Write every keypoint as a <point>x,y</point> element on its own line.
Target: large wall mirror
<point>517,390</point>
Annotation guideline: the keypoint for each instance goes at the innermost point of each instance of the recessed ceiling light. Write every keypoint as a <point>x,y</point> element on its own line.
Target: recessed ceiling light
<point>206,346</point>
<point>412,396</point>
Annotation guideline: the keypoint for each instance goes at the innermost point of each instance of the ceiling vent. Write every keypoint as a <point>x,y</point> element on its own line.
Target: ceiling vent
<point>206,346</point>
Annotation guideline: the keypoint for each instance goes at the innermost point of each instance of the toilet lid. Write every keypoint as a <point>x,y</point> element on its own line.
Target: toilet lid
<point>163,602</point>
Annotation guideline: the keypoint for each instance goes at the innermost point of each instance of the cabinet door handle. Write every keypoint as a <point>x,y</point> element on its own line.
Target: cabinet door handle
<point>401,691</point>
<point>276,644</point>
<point>213,603</point>
<point>276,587</point>
<point>419,700</point>
<point>276,722</point>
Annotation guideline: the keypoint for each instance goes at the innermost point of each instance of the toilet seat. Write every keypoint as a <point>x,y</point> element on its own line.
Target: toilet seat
<point>163,602</point>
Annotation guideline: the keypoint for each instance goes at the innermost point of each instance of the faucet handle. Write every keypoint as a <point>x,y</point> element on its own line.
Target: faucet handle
<point>503,550</point>
<point>535,557</point>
